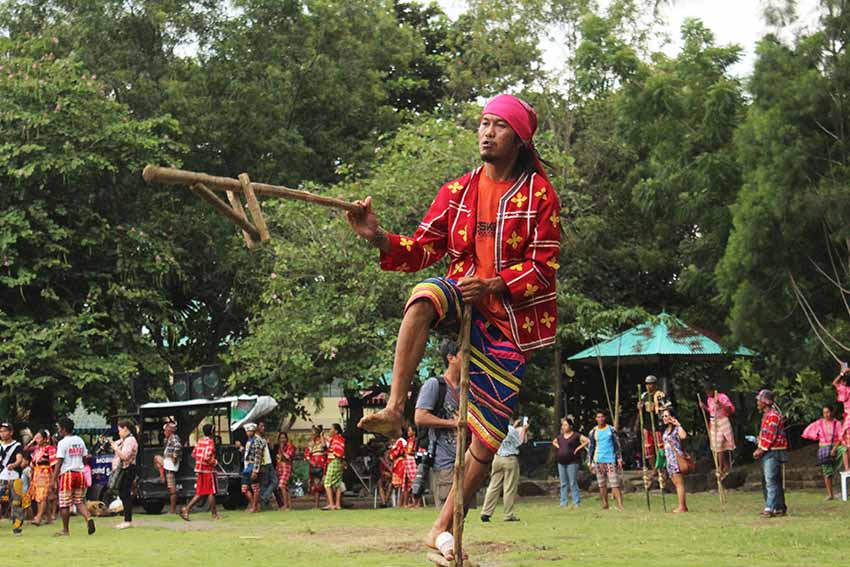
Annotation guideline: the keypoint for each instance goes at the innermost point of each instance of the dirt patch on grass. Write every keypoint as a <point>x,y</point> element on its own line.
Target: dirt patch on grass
<point>193,526</point>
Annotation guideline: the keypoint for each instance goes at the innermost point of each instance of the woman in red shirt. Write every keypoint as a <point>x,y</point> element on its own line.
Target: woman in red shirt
<point>316,455</point>
<point>333,475</point>
<point>284,455</point>
<point>43,460</point>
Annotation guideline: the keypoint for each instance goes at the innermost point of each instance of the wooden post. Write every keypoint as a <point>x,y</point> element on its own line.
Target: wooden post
<point>204,193</point>
<point>460,456</point>
<point>254,206</point>
<point>236,205</point>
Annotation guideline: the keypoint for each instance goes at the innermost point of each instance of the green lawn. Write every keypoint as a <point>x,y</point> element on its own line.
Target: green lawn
<point>815,533</point>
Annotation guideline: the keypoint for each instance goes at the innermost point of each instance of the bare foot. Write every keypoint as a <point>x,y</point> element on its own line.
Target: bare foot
<point>386,422</point>
<point>680,510</point>
<point>431,538</point>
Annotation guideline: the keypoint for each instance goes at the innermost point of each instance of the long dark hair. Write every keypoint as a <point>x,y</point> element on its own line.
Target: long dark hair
<point>525,162</point>
<point>128,425</point>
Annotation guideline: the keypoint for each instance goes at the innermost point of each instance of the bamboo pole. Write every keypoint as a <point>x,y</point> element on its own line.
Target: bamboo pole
<point>655,444</point>
<point>460,455</point>
<point>712,439</point>
<point>204,193</point>
<point>254,207</point>
<point>236,205</point>
<point>646,481</point>
<point>172,176</point>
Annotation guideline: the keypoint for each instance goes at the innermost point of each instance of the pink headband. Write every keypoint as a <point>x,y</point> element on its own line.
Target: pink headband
<point>516,112</point>
<point>521,117</point>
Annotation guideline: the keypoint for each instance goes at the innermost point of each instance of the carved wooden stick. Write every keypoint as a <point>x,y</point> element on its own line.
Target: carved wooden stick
<point>236,205</point>
<point>254,206</point>
<point>172,176</point>
<point>204,193</point>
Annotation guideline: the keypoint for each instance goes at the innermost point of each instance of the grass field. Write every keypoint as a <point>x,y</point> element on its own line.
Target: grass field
<point>815,533</point>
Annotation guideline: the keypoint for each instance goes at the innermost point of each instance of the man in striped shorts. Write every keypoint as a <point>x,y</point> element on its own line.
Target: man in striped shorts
<point>69,472</point>
<point>499,227</point>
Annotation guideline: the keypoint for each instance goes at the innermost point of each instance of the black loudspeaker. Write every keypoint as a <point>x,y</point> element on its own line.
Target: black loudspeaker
<point>203,383</point>
<point>180,387</point>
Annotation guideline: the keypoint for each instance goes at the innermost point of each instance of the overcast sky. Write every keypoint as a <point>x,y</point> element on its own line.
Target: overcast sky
<point>732,21</point>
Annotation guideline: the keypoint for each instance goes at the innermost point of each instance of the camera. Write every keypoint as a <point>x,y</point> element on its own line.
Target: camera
<point>424,462</point>
<point>426,458</point>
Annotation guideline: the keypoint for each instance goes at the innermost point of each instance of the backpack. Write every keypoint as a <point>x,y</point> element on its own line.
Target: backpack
<point>422,432</point>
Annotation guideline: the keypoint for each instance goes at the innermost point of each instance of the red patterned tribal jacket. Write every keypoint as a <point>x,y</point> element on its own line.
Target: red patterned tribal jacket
<point>527,251</point>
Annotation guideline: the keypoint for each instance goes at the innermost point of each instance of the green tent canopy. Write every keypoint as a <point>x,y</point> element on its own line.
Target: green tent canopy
<point>654,343</point>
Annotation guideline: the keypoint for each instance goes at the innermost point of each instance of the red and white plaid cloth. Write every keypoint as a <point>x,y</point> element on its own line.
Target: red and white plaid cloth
<point>409,472</point>
<point>772,435</point>
<point>204,454</point>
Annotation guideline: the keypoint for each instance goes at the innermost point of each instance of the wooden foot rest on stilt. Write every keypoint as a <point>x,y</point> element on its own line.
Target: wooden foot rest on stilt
<point>438,559</point>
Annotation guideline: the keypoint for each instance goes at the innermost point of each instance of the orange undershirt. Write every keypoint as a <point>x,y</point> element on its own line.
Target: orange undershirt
<point>489,194</point>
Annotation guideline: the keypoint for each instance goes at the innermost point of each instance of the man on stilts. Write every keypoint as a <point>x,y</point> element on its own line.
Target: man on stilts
<point>654,402</point>
<point>499,226</point>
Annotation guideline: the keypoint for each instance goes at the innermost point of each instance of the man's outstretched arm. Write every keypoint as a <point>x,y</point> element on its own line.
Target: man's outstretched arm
<point>401,253</point>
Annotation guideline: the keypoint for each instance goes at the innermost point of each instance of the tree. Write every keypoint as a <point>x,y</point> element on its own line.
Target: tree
<point>80,280</point>
<point>329,312</point>
<point>790,218</point>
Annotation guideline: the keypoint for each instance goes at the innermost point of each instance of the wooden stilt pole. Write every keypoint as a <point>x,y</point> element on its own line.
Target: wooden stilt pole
<point>236,205</point>
<point>204,193</point>
<point>646,480</point>
<point>254,206</point>
<point>460,456</point>
<point>712,439</point>
<point>658,469</point>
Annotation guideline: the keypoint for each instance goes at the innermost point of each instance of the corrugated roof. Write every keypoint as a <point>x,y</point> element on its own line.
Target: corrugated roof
<point>669,337</point>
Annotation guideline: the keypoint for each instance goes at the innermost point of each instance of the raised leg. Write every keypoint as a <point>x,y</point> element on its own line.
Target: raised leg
<point>412,337</point>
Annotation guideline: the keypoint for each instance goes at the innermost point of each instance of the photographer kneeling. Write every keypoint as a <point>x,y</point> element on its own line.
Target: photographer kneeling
<point>436,412</point>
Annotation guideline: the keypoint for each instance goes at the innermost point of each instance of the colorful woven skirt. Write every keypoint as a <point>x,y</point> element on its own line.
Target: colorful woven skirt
<point>333,476</point>
<point>496,368</point>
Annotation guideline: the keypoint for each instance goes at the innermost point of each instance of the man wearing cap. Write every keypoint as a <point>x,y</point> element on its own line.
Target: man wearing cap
<point>252,467</point>
<point>773,452</point>
<point>498,225</point>
<point>171,456</point>
<point>654,402</point>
